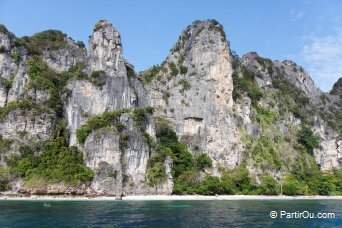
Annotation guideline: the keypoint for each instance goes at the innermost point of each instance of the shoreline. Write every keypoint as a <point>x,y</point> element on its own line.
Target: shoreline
<point>164,198</point>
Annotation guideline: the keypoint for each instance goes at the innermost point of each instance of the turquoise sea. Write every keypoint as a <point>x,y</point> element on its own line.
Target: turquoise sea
<point>242,213</point>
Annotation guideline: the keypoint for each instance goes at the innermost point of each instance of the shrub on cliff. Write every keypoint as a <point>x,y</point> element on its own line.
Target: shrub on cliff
<point>46,40</point>
<point>203,161</point>
<point>246,84</point>
<point>307,138</point>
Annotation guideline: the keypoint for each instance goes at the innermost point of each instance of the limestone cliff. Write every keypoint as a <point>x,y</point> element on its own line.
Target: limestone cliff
<point>57,97</point>
<point>194,90</point>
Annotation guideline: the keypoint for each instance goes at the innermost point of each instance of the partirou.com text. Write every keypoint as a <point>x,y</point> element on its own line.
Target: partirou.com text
<point>302,215</point>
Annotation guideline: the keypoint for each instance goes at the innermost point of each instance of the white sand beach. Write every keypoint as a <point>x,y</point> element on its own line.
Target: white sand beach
<point>168,197</point>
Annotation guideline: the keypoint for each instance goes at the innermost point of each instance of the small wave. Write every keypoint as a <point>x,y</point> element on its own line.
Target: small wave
<point>47,205</point>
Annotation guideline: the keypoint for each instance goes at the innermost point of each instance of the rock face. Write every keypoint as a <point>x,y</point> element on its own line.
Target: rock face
<point>61,59</point>
<point>328,155</point>
<point>105,49</point>
<point>193,89</point>
<point>120,90</point>
<point>121,171</point>
<point>16,124</point>
<point>117,171</point>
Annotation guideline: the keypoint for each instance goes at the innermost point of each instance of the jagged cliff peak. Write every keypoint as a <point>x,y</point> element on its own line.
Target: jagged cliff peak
<point>193,89</point>
<point>105,47</point>
<point>266,69</point>
<point>5,38</point>
<point>199,33</point>
<point>108,31</point>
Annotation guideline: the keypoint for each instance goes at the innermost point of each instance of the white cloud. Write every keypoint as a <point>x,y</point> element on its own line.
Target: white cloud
<point>296,15</point>
<point>323,59</point>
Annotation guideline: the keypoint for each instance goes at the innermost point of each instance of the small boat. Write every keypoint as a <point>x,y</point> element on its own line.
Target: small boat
<point>47,205</point>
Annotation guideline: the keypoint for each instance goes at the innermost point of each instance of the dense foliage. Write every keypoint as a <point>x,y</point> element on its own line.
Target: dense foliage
<point>246,84</point>
<point>52,161</point>
<point>307,138</point>
<point>47,40</point>
<point>306,178</point>
<point>5,178</point>
<point>107,119</point>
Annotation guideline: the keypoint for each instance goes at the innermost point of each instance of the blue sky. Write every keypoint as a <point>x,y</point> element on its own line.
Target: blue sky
<point>308,32</point>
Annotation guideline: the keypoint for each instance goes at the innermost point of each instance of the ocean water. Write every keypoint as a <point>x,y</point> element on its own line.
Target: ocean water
<point>242,213</point>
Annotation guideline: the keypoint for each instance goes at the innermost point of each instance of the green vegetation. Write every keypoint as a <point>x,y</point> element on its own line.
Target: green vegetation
<point>246,84</point>
<point>51,161</point>
<point>185,85</point>
<point>308,139</point>
<point>156,172</point>
<point>151,73</point>
<point>265,117</point>
<point>182,157</point>
<point>210,186</point>
<point>2,49</point>
<point>236,181</point>
<point>173,68</point>
<point>292,186</point>
<point>97,26</point>
<point>80,44</point>
<point>266,64</point>
<point>58,163</point>
<point>183,69</point>
<point>203,161</point>
<point>186,170</point>
<point>5,145</point>
<point>25,104</point>
<point>111,119</point>
<point>166,96</point>
<point>306,178</point>
<point>5,178</point>
<point>336,90</point>
<point>139,115</point>
<point>107,119</point>
<point>97,73</point>
<point>3,29</point>
<point>265,153</point>
<point>290,97</point>
<point>76,72</point>
<point>268,186</point>
<point>16,57</point>
<point>9,82</point>
<point>43,78</point>
<point>130,72</point>
<point>46,40</point>
<point>216,25</point>
<point>263,61</point>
